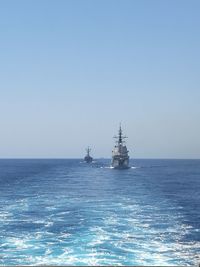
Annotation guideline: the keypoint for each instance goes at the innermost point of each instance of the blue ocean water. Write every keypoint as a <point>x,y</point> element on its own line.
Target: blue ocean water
<point>66,212</point>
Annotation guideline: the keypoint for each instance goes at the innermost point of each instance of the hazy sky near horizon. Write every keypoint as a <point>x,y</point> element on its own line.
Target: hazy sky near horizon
<point>70,71</point>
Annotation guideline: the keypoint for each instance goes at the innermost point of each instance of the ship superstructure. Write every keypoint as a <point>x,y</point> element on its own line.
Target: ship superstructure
<point>88,158</point>
<point>120,157</point>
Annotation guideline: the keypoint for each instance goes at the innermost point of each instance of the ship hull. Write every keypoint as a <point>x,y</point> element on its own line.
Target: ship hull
<point>88,159</point>
<point>120,163</point>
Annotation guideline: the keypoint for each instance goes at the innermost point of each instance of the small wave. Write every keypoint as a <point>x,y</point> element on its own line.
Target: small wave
<point>110,167</point>
<point>65,235</point>
<point>39,221</point>
<point>48,224</point>
<point>18,243</point>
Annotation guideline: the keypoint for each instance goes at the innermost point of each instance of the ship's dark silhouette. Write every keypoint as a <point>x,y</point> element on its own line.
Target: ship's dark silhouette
<point>88,158</point>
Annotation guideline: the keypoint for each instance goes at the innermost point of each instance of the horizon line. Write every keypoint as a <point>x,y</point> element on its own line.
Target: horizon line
<point>78,158</point>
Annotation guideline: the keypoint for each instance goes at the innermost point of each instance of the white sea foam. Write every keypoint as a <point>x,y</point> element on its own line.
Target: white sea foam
<point>65,235</point>
<point>48,224</point>
<point>18,243</point>
<point>5,216</point>
<point>39,221</point>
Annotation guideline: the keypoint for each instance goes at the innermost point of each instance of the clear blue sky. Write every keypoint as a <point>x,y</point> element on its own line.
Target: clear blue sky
<point>70,71</point>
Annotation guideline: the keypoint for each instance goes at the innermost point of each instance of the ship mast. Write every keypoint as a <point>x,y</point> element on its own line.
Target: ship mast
<point>120,136</point>
<point>88,151</point>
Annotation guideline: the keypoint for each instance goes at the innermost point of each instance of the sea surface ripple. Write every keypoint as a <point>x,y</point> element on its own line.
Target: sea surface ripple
<point>66,212</point>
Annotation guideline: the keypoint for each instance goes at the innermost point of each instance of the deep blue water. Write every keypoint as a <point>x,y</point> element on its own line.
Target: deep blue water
<point>65,212</point>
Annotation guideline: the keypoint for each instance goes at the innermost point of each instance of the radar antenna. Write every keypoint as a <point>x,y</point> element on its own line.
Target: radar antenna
<point>120,136</point>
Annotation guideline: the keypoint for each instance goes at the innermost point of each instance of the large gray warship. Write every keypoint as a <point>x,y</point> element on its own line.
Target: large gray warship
<point>120,157</point>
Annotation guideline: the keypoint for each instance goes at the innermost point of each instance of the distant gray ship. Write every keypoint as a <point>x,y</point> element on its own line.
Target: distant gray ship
<point>120,157</point>
<point>88,158</point>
